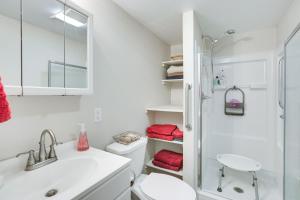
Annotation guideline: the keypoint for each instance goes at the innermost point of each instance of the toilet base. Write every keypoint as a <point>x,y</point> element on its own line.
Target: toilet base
<point>136,193</point>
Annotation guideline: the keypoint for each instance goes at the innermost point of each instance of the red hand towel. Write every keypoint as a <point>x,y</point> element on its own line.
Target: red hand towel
<point>169,157</point>
<point>178,134</point>
<point>162,137</point>
<point>166,166</point>
<point>5,113</point>
<point>163,129</point>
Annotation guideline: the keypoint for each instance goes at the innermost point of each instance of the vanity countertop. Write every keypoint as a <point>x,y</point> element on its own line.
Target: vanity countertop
<point>74,174</point>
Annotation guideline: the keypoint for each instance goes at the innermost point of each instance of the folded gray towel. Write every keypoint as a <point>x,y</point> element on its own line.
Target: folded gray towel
<point>127,137</point>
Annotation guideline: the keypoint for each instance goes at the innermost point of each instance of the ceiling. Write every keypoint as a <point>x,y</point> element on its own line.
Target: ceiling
<point>164,17</point>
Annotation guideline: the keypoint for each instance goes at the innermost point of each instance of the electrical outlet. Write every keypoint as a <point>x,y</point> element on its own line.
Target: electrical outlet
<point>98,115</point>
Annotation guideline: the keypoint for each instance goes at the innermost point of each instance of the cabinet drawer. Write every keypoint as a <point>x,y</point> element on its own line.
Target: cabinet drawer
<point>113,188</point>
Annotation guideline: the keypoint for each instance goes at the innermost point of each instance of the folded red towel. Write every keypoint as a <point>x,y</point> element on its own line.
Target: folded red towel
<point>163,129</point>
<point>162,137</point>
<point>178,134</point>
<point>169,157</point>
<point>5,113</point>
<point>166,166</point>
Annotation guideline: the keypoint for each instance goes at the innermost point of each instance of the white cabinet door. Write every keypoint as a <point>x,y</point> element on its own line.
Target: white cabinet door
<point>114,188</point>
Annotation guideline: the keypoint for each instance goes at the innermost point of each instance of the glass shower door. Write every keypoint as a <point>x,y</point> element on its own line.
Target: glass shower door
<point>292,117</point>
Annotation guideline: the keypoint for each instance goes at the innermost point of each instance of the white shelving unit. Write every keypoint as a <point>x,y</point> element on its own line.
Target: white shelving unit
<point>177,173</point>
<point>171,81</point>
<point>164,114</point>
<point>166,108</point>
<point>167,141</point>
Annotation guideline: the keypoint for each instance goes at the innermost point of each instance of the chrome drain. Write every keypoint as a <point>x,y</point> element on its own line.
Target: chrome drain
<point>238,190</point>
<point>51,193</point>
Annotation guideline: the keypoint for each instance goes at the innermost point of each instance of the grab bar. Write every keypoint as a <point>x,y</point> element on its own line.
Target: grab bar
<point>187,90</point>
<point>281,82</point>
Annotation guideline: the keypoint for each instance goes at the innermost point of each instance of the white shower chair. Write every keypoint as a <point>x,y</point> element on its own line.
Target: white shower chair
<point>239,163</point>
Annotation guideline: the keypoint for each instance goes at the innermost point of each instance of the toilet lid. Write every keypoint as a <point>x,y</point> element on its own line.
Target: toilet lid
<point>161,187</point>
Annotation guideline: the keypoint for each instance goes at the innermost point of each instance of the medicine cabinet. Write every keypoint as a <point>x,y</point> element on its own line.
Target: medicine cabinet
<point>47,48</point>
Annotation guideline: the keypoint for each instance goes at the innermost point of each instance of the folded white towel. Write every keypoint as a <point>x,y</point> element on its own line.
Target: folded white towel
<point>174,69</point>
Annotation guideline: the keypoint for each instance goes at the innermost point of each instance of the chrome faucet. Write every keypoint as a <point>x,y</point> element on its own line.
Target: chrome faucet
<point>43,153</point>
<point>43,157</point>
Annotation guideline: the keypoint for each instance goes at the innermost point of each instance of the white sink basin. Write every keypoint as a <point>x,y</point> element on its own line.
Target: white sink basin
<point>73,174</point>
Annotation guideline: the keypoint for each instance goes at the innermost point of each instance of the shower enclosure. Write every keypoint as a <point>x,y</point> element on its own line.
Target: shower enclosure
<point>252,135</point>
<point>292,125</point>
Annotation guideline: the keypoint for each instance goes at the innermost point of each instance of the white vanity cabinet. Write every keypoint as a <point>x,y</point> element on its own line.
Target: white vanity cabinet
<point>116,188</point>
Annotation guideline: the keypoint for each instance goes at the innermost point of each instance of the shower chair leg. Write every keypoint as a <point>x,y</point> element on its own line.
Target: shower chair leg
<point>221,174</point>
<point>255,184</point>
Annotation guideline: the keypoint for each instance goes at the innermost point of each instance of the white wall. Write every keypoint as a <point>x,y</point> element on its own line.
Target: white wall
<point>127,78</point>
<point>288,23</point>
<point>192,44</point>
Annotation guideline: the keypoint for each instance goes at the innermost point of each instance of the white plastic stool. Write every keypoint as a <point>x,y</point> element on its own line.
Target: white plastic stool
<point>239,163</point>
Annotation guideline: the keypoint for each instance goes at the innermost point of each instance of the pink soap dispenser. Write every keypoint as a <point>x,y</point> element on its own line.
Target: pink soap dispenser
<point>83,143</point>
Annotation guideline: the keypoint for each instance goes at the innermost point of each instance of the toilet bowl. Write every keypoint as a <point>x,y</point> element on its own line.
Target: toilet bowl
<point>162,187</point>
<point>154,186</point>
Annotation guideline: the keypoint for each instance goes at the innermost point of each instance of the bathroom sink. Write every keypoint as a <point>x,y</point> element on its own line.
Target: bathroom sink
<point>73,174</point>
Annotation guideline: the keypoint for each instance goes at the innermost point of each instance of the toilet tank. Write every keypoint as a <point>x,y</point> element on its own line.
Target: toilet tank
<point>135,151</point>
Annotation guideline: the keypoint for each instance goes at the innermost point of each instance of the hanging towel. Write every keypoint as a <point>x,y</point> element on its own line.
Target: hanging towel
<point>178,134</point>
<point>169,158</point>
<point>165,166</point>
<point>159,136</point>
<point>162,129</point>
<point>5,113</point>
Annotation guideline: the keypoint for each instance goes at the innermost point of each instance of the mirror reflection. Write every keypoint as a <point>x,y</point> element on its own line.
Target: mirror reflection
<point>75,49</point>
<point>54,45</point>
<point>10,40</point>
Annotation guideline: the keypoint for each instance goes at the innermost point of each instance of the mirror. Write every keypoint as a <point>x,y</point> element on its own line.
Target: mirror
<point>43,41</point>
<point>10,40</point>
<point>76,50</point>
<point>54,45</point>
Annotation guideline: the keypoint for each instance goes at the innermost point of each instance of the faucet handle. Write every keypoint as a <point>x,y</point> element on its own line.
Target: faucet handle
<point>59,143</point>
<point>31,158</point>
<point>52,153</point>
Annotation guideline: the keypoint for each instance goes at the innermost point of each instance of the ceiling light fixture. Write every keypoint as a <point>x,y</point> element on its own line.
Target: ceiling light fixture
<point>61,16</point>
<point>230,32</point>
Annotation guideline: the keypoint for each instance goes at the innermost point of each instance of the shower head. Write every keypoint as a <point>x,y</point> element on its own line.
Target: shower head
<point>211,39</point>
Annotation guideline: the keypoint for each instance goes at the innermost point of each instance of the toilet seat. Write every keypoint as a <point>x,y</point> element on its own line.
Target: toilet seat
<point>161,187</point>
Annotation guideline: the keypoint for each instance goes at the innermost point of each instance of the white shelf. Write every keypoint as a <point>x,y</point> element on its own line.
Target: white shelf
<point>167,141</point>
<point>172,62</point>
<point>252,86</point>
<point>171,81</point>
<point>166,108</point>
<point>150,164</point>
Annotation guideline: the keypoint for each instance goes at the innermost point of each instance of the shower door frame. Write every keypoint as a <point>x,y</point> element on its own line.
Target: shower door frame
<point>291,36</point>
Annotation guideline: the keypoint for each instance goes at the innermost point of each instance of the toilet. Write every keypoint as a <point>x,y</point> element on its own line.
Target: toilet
<point>155,186</point>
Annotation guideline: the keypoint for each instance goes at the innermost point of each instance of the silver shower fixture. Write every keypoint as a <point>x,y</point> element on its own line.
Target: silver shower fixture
<point>211,39</point>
